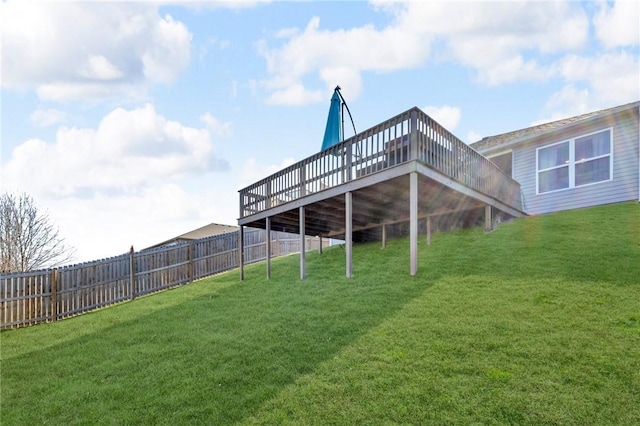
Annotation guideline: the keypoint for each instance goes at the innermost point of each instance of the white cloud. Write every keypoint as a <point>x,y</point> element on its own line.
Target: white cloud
<point>495,39</point>
<point>447,116</point>
<point>617,24</point>
<point>168,53</point>
<point>333,55</point>
<point>569,101</point>
<point>66,91</point>
<point>99,68</point>
<point>252,171</point>
<point>219,4</point>
<point>472,137</point>
<point>295,94</point>
<point>216,126</point>
<point>346,76</point>
<point>48,117</point>
<point>108,224</point>
<point>80,50</point>
<point>129,149</point>
<point>607,79</point>
<point>137,178</point>
<point>511,70</point>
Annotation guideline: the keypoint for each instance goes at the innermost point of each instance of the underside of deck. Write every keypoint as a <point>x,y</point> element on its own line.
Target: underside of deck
<point>362,209</point>
<point>378,200</point>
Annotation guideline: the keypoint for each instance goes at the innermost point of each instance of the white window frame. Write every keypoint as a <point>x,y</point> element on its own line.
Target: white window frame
<point>572,162</point>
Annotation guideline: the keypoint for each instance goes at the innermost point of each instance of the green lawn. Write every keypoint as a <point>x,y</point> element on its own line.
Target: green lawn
<point>537,322</point>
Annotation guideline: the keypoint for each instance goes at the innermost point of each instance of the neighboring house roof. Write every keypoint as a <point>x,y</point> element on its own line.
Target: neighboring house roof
<point>203,232</point>
<point>504,139</point>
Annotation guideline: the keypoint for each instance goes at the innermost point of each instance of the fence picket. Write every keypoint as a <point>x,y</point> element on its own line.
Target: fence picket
<point>33,297</point>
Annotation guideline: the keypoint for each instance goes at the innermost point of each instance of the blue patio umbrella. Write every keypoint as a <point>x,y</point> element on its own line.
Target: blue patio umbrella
<point>333,131</point>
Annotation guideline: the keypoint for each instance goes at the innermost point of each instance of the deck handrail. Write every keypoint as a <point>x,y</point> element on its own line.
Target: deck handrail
<point>411,135</point>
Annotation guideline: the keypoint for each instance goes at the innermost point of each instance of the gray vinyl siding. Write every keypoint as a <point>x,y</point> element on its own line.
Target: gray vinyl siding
<point>626,173</point>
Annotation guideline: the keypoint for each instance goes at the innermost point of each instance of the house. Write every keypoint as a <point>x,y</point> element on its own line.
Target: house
<point>581,161</point>
<point>204,232</point>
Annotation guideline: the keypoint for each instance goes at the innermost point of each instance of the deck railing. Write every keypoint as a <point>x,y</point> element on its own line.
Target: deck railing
<point>412,135</point>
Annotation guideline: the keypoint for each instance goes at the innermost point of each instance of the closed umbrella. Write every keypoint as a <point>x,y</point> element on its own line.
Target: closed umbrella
<point>333,131</point>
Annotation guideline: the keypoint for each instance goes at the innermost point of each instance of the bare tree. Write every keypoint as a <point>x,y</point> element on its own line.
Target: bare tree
<point>28,239</point>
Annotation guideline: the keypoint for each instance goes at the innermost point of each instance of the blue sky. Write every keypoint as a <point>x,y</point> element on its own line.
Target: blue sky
<point>131,123</point>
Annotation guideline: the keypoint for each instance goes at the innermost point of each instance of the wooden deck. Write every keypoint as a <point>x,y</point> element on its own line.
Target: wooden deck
<point>403,169</point>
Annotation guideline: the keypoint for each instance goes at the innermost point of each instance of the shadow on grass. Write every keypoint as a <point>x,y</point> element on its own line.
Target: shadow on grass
<point>211,359</point>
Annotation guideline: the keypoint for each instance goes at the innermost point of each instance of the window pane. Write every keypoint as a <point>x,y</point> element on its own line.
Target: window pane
<point>593,145</point>
<point>592,171</point>
<point>553,179</point>
<point>552,156</point>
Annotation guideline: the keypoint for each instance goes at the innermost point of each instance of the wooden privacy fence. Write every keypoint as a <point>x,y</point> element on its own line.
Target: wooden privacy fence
<point>28,298</point>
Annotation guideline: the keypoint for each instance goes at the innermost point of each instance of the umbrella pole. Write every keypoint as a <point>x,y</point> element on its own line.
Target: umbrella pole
<point>344,105</point>
<point>342,118</point>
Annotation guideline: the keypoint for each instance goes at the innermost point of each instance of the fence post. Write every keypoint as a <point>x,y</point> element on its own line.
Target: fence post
<point>241,251</point>
<point>190,264</point>
<point>54,294</point>
<point>132,275</point>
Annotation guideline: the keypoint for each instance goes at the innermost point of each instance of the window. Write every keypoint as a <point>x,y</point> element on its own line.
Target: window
<point>576,162</point>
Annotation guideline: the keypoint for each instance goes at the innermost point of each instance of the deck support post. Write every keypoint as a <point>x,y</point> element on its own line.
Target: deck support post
<point>319,244</point>
<point>413,221</point>
<point>348,240</point>
<point>384,235</point>
<point>487,218</point>
<point>268,232</point>
<point>429,230</point>
<point>303,260</point>
<point>241,252</point>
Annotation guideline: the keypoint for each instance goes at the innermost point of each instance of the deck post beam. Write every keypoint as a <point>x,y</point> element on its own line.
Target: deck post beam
<point>429,230</point>
<point>268,237</point>
<point>487,218</point>
<point>303,260</point>
<point>348,237</point>
<point>413,221</point>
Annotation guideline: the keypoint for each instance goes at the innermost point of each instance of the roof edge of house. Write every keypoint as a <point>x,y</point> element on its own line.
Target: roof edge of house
<point>578,119</point>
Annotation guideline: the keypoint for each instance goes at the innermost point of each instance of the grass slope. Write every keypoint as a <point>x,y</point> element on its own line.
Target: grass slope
<point>537,322</point>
